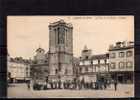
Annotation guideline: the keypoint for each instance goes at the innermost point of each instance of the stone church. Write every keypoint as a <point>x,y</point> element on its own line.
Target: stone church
<point>60,53</point>
<point>57,64</point>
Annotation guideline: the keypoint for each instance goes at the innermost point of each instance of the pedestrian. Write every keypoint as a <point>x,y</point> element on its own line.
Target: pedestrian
<point>83,85</point>
<point>115,84</point>
<point>31,84</point>
<point>51,85</point>
<point>64,85</point>
<point>105,84</point>
<point>98,85</point>
<point>108,83</point>
<point>28,85</point>
<point>78,84</point>
<point>68,84</point>
<point>55,85</point>
<point>91,85</point>
<point>74,83</point>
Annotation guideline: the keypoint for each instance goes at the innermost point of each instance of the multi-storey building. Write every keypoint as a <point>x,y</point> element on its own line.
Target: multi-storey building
<point>18,70</point>
<point>93,67</point>
<point>121,59</point>
<point>60,51</point>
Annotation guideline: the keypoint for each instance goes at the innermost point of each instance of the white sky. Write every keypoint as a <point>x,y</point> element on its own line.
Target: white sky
<point>26,33</point>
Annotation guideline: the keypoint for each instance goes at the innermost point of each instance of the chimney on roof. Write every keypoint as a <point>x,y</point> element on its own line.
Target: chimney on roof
<point>124,44</point>
<point>111,46</point>
<point>118,44</point>
<point>85,47</point>
<point>130,43</point>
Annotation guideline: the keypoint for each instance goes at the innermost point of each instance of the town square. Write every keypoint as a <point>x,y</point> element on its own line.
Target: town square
<point>58,72</point>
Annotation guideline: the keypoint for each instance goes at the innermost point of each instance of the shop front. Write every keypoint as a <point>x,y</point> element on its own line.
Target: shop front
<point>123,77</point>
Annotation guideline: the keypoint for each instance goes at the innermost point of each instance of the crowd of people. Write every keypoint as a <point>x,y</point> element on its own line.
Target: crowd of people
<point>73,84</point>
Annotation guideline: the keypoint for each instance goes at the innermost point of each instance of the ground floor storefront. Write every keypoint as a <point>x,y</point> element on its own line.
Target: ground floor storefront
<point>103,77</point>
<point>123,77</point>
<point>18,80</point>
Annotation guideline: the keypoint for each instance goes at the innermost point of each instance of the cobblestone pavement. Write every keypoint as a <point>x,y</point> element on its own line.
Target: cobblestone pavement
<point>21,91</point>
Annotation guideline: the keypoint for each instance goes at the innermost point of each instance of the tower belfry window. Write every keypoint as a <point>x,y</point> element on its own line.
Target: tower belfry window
<point>66,35</point>
<point>58,35</point>
<point>55,31</point>
<point>61,35</point>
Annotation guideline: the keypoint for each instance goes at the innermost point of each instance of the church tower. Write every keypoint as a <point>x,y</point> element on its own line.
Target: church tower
<point>60,50</point>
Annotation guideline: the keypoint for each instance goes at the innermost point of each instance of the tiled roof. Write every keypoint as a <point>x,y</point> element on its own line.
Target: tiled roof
<point>61,22</point>
<point>100,56</point>
<point>121,48</point>
<point>20,60</point>
<point>121,45</point>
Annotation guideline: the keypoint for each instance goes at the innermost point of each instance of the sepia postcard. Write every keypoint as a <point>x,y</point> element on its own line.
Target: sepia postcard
<point>70,56</point>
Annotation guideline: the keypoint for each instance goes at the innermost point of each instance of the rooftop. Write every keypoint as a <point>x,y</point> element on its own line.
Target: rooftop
<point>99,56</point>
<point>20,60</point>
<point>61,22</point>
<point>121,45</point>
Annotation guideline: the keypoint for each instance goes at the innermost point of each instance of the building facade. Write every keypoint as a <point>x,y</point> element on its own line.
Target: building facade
<point>121,59</point>
<point>93,67</point>
<point>60,51</point>
<point>18,70</point>
<point>59,64</point>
